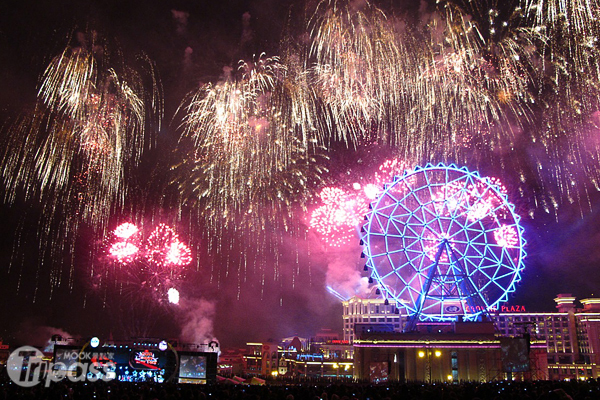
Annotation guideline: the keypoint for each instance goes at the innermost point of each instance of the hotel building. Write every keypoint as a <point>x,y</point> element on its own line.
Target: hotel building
<point>571,334</point>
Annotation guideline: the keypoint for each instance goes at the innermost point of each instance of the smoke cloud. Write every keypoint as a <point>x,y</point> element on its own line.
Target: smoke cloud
<point>343,273</point>
<point>247,33</point>
<point>40,336</point>
<point>197,320</point>
<point>187,58</point>
<point>181,19</point>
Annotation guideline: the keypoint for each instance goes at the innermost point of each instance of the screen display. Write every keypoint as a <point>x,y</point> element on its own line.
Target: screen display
<point>378,371</point>
<point>66,358</point>
<point>146,359</point>
<point>75,360</point>
<point>192,366</point>
<point>515,354</point>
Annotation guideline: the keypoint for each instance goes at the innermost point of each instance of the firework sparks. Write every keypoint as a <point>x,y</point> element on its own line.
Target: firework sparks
<point>355,58</point>
<point>250,156</point>
<point>173,296</point>
<point>74,151</point>
<point>125,230</point>
<point>124,252</point>
<point>506,236</point>
<point>148,262</point>
<point>95,118</point>
<point>341,211</point>
<point>477,201</point>
<point>337,218</point>
<point>164,248</point>
<point>515,89</point>
<point>247,153</point>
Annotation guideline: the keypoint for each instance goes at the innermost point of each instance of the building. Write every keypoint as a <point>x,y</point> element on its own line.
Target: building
<point>571,334</point>
<point>362,314</point>
<point>231,362</point>
<point>451,352</point>
<point>325,356</point>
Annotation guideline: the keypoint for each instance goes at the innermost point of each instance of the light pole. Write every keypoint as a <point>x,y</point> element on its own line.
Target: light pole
<point>427,353</point>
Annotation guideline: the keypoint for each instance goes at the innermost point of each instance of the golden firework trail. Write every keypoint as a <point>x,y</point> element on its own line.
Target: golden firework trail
<point>74,151</point>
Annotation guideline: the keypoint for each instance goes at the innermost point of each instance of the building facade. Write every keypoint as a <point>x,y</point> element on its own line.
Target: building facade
<point>469,351</point>
<point>321,357</point>
<point>571,334</point>
<point>360,314</point>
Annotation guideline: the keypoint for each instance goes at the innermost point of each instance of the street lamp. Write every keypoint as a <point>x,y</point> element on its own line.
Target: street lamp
<point>428,353</point>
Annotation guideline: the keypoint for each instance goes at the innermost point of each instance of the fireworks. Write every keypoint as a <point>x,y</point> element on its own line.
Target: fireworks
<point>506,236</point>
<point>162,248</point>
<point>126,230</point>
<point>149,262</point>
<point>475,201</point>
<point>249,158</point>
<point>337,218</point>
<point>86,131</point>
<point>165,249</point>
<point>73,152</point>
<point>124,252</point>
<point>247,153</point>
<point>356,65</point>
<point>513,87</point>
<point>472,81</point>
<point>342,211</point>
<point>173,296</point>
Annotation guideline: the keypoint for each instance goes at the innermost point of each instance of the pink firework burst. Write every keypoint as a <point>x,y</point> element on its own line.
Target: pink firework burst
<point>164,248</point>
<point>154,262</point>
<point>506,236</point>
<point>475,201</point>
<point>125,247</point>
<point>125,231</point>
<point>124,252</point>
<point>178,254</point>
<point>385,174</point>
<point>388,169</point>
<point>341,211</point>
<point>337,218</point>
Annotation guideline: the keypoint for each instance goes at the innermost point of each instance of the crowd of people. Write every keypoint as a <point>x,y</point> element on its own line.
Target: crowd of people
<point>99,390</point>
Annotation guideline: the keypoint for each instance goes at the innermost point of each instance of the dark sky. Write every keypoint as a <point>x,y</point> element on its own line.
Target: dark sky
<point>562,256</point>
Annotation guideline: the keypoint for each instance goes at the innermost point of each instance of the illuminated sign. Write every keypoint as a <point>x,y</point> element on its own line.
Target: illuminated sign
<point>144,359</point>
<point>517,308</point>
<point>452,309</point>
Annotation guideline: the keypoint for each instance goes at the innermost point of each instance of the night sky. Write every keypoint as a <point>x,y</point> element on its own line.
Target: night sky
<point>563,249</point>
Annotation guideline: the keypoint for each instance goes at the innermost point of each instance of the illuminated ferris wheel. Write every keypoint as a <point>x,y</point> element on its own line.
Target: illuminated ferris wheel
<point>443,242</point>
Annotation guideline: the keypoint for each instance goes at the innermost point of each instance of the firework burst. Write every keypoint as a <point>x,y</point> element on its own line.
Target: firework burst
<point>338,216</point>
<point>84,136</point>
<point>150,263</point>
<point>342,210</point>
<point>355,65</point>
<point>249,160</point>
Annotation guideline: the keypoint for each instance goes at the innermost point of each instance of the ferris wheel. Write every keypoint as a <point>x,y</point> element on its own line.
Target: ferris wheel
<point>443,242</point>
